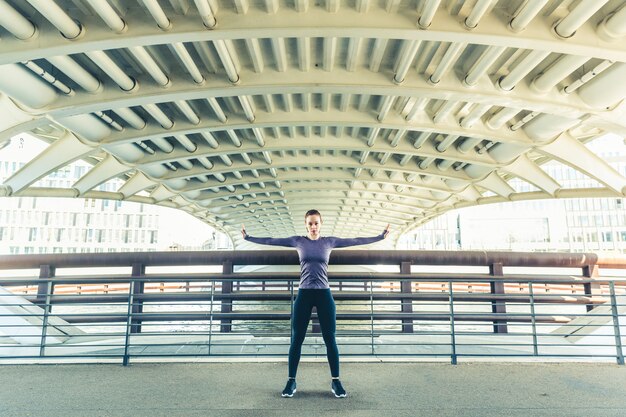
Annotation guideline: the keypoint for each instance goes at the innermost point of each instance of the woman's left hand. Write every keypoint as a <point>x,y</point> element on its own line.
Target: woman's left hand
<point>386,232</point>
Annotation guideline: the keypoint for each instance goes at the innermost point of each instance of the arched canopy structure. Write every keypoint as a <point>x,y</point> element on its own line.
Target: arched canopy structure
<point>374,112</point>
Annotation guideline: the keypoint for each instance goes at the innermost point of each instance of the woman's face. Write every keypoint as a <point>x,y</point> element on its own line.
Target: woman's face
<point>313,226</point>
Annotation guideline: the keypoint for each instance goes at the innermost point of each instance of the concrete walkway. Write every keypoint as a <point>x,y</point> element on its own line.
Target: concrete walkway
<point>374,389</point>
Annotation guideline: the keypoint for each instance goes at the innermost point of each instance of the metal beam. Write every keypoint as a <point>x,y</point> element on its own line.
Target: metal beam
<point>374,24</point>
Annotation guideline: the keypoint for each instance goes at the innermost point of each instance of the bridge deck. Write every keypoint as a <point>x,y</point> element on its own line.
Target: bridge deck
<point>252,389</point>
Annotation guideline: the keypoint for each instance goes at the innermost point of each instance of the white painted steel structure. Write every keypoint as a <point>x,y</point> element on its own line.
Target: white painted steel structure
<point>374,112</point>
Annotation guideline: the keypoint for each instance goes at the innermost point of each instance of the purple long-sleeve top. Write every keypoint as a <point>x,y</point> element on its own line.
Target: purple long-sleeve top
<point>314,254</point>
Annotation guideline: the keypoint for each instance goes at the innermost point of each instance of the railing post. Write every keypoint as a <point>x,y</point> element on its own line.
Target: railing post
<point>453,357</point>
<point>44,293</point>
<point>315,323</point>
<point>292,299</point>
<point>129,318</point>
<point>497,288</point>
<point>227,302</point>
<point>591,288</point>
<point>616,328</point>
<point>531,294</point>
<point>211,314</point>
<point>138,271</point>
<point>407,303</point>
<point>372,313</point>
<point>46,272</point>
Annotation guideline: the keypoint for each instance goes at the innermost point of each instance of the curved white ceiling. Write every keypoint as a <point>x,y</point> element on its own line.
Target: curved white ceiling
<point>374,112</point>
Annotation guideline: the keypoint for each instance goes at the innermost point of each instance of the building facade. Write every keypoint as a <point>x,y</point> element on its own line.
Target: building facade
<point>34,225</point>
<point>572,224</point>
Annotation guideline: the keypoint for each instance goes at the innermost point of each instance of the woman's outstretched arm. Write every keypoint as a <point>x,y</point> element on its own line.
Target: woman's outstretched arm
<point>284,241</point>
<point>355,241</point>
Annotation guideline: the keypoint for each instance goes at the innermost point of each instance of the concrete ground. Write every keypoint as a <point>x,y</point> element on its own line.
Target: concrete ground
<point>374,389</point>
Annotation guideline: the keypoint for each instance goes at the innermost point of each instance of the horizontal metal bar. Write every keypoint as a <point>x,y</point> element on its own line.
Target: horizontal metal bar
<point>289,257</point>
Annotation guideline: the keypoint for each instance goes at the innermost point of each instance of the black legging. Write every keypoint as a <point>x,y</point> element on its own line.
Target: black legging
<point>322,299</point>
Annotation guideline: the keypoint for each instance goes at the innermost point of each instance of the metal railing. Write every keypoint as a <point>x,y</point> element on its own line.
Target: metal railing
<point>428,304</point>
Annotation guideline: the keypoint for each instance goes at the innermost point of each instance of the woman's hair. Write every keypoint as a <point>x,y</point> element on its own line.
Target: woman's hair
<point>312,213</point>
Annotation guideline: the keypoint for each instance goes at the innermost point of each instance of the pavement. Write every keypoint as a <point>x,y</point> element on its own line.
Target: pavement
<point>390,389</point>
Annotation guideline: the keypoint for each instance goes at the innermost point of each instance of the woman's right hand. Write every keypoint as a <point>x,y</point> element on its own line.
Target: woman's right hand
<point>243,231</point>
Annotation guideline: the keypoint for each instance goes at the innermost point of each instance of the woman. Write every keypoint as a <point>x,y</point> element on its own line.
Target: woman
<point>314,252</point>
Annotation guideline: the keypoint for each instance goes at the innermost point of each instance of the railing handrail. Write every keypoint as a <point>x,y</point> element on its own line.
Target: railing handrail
<point>295,277</point>
<point>338,257</point>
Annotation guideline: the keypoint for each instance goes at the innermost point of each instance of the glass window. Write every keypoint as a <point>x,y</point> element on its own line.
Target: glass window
<point>596,204</point>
